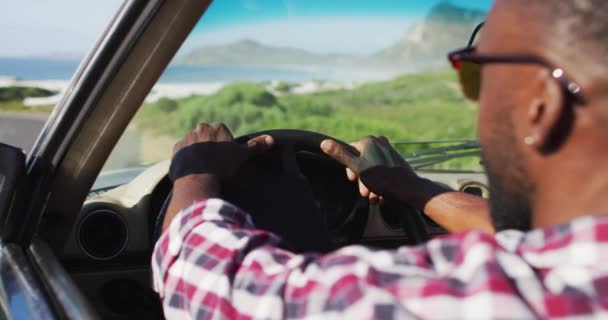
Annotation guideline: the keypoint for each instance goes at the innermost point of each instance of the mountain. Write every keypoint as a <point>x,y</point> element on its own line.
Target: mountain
<point>425,44</point>
<point>250,52</point>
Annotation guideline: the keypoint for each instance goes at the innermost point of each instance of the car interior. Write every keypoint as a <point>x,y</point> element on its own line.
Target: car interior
<point>104,234</point>
<point>109,248</point>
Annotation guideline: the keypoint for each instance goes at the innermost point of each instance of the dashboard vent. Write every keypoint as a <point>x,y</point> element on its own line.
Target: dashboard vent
<point>103,234</point>
<point>476,189</point>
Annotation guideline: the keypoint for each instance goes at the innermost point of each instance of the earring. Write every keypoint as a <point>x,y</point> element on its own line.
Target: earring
<point>529,140</point>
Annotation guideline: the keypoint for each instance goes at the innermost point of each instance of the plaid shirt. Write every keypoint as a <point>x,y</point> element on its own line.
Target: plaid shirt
<point>213,263</point>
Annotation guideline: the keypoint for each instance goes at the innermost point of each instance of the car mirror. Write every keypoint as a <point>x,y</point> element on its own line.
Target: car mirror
<point>12,171</point>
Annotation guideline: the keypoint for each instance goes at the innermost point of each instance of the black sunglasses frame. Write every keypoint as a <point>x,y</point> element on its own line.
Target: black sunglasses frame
<point>468,54</point>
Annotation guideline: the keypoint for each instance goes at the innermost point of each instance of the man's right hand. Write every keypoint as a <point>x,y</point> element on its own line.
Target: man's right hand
<point>382,172</point>
<point>380,169</point>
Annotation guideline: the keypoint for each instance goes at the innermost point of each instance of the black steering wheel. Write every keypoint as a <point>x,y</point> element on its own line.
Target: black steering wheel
<point>273,188</point>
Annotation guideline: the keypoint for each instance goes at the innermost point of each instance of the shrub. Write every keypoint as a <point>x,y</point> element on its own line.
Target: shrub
<point>166,104</point>
<point>283,87</point>
<point>244,92</point>
<point>20,93</point>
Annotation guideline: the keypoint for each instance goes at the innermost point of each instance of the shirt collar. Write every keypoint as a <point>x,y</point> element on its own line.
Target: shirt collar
<point>583,229</point>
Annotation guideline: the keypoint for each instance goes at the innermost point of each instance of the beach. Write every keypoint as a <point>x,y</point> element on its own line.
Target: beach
<point>171,90</point>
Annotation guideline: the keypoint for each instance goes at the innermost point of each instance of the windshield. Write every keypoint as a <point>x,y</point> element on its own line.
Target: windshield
<point>344,68</point>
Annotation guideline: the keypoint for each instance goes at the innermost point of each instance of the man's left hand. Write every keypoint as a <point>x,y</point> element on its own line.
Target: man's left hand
<point>210,149</point>
<point>213,155</point>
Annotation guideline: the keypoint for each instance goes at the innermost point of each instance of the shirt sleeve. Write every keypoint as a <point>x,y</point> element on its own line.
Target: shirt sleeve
<point>212,262</point>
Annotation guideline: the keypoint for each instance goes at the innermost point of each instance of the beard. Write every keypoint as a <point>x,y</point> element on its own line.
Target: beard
<point>509,208</point>
<point>511,189</point>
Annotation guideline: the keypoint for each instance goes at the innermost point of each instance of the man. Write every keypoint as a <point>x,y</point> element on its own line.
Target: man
<point>543,127</point>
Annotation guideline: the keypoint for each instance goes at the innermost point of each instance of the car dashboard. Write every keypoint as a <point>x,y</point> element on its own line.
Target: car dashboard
<point>109,249</point>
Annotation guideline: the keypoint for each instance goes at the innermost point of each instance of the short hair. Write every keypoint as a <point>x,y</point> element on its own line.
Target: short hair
<point>581,24</point>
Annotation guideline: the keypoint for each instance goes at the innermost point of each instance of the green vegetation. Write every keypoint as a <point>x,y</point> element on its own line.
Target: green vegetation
<point>20,93</point>
<point>11,99</point>
<point>409,108</point>
<point>284,87</point>
<point>166,104</point>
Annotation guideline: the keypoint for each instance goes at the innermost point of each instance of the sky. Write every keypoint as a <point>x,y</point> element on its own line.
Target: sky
<point>59,27</point>
<point>321,26</point>
<point>43,27</point>
<point>229,12</point>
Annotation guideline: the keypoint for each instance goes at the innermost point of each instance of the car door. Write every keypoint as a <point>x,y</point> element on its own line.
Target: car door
<point>21,294</point>
<point>33,285</point>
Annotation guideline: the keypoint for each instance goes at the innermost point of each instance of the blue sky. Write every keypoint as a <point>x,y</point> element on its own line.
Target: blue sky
<point>321,26</point>
<point>38,27</point>
<point>230,12</point>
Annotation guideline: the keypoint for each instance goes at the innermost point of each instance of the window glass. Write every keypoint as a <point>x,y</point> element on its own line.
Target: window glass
<point>43,43</point>
<point>344,68</point>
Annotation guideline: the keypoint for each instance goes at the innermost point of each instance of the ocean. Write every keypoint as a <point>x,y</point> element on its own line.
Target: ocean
<point>49,69</point>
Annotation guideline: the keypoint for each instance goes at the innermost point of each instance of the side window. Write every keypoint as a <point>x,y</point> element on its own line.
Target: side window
<point>43,43</point>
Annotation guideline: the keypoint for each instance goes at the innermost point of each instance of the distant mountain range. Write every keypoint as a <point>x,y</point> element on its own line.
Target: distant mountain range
<point>424,45</point>
<point>251,52</point>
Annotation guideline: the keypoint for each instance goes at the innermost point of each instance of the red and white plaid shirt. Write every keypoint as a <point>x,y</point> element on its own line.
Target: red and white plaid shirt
<point>213,263</point>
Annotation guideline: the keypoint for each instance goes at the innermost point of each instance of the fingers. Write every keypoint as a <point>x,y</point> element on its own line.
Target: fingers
<point>360,144</point>
<point>374,198</point>
<point>339,153</point>
<point>352,176</point>
<point>202,127</point>
<point>216,132</point>
<point>383,139</point>
<point>178,146</point>
<point>222,132</point>
<point>363,190</point>
<point>258,144</point>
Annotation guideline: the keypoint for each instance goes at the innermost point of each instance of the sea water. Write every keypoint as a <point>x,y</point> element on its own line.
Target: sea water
<point>52,69</point>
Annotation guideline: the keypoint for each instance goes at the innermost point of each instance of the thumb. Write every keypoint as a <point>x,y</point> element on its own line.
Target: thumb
<point>258,144</point>
<point>339,152</point>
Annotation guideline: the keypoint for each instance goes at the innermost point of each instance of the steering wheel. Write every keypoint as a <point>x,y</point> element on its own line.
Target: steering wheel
<point>269,184</point>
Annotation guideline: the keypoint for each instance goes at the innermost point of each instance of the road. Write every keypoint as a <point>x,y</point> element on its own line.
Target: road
<point>20,130</point>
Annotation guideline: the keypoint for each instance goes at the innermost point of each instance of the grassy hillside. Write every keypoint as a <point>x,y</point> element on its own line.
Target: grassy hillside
<point>410,108</point>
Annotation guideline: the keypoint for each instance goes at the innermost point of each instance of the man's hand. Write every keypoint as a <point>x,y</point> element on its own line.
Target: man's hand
<point>380,169</point>
<point>213,150</point>
<point>382,172</point>
<point>202,159</point>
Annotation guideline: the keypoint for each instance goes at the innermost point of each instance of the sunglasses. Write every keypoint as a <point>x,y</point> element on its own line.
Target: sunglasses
<point>468,65</point>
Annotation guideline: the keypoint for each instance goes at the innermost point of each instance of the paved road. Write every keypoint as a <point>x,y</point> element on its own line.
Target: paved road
<point>20,130</point>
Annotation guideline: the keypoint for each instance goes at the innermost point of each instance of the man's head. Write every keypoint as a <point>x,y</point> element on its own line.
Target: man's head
<point>536,139</point>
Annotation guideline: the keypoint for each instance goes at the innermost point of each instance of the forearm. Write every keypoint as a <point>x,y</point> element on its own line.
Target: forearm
<point>189,189</point>
<point>455,211</point>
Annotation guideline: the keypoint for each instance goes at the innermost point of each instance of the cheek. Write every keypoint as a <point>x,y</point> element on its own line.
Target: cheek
<point>494,123</point>
<point>485,131</point>
<point>485,118</point>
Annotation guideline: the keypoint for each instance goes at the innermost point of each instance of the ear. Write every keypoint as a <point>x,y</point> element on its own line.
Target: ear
<point>546,113</point>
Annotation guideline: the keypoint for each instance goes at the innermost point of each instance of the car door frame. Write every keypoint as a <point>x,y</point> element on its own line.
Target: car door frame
<point>105,93</point>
